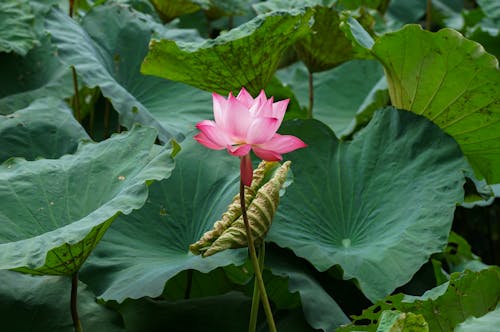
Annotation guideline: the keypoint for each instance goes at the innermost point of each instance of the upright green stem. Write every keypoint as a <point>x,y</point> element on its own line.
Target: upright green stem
<point>71,7</point>
<point>255,261</point>
<point>73,303</point>
<point>254,314</point>
<point>76,100</point>
<point>428,18</point>
<point>311,95</point>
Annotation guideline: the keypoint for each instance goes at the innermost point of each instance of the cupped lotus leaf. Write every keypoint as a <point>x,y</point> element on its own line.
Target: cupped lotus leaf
<point>40,303</point>
<point>100,49</point>
<point>44,129</point>
<point>339,210</point>
<point>36,75</point>
<point>444,307</point>
<point>151,245</point>
<point>246,56</point>
<point>169,9</point>
<point>261,200</point>
<point>486,323</point>
<point>344,97</point>
<point>55,211</point>
<point>453,82</point>
<point>17,32</point>
<point>326,45</point>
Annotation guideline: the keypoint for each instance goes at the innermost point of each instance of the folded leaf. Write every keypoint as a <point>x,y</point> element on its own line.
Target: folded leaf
<point>261,199</point>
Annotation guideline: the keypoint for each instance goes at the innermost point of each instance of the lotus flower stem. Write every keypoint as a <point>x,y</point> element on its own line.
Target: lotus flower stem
<point>311,95</point>
<point>252,326</point>
<point>73,303</point>
<point>71,7</point>
<point>76,98</point>
<point>255,261</point>
<point>428,18</point>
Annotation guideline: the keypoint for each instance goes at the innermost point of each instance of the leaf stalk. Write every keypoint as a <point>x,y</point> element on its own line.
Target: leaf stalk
<point>73,303</point>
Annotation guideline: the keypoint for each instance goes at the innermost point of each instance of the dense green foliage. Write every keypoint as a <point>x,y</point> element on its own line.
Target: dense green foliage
<point>100,177</point>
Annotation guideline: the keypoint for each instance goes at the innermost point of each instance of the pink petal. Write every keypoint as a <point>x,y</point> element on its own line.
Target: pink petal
<point>237,120</point>
<point>220,107</point>
<point>279,109</point>
<point>261,97</point>
<point>212,133</point>
<point>267,155</point>
<point>245,98</point>
<point>266,109</point>
<point>246,172</point>
<point>280,144</point>
<point>239,150</point>
<point>262,130</point>
<point>203,140</point>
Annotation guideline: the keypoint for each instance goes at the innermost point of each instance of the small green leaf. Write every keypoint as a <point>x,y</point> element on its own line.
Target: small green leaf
<point>55,211</point>
<point>246,56</point>
<point>261,198</point>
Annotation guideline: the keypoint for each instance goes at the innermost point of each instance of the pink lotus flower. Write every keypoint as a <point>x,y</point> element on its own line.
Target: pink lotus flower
<point>243,124</point>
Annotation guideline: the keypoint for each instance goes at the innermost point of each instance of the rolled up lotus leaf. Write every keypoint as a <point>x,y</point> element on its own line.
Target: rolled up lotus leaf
<point>262,199</point>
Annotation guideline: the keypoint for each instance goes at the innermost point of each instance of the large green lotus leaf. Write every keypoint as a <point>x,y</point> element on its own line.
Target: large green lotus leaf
<point>41,303</point>
<point>46,129</point>
<point>486,323</point>
<point>451,81</point>
<point>107,51</point>
<point>344,97</point>
<point>444,307</point>
<point>378,206</point>
<point>16,27</point>
<point>38,74</point>
<point>151,245</point>
<point>320,310</point>
<point>55,211</point>
<point>245,56</point>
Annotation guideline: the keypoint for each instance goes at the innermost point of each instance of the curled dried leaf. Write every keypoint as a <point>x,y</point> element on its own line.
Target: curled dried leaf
<point>262,199</point>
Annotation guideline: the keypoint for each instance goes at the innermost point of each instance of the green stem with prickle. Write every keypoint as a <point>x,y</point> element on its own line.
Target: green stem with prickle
<point>254,260</point>
<point>252,326</point>
<point>73,303</point>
